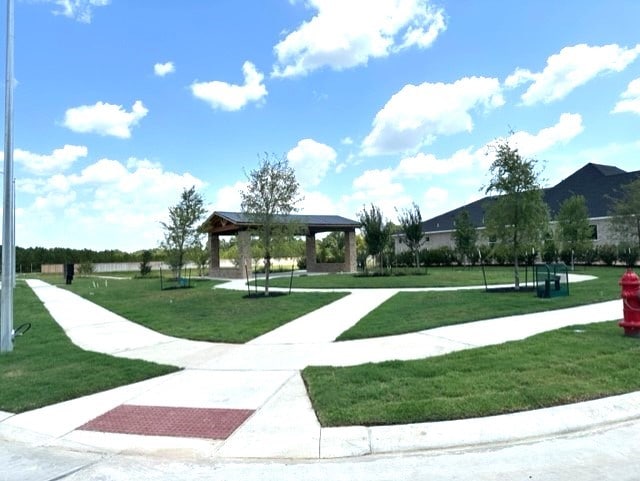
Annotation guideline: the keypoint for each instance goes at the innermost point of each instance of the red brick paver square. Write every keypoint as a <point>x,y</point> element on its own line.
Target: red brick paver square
<point>170,421</point>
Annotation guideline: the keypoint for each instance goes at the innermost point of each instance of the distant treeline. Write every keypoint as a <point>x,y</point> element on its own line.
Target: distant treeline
<point>31,258</point>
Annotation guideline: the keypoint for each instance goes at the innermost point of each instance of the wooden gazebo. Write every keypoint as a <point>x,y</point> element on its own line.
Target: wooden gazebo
<point>239,224</point>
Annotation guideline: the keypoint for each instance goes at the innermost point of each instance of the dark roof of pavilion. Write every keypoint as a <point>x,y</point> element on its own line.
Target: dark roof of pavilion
<point>599,184</point>
<point>233,222</point>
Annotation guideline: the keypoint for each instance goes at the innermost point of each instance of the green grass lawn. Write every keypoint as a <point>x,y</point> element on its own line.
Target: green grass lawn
<point>559,367</point>
<point>200,312</point>
<point>434,277</point>
<point>416,311</point>
<point>46,368</point>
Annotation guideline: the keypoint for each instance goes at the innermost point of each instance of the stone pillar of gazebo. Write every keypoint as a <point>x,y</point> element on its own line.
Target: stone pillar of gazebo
<point>214,252</point>
<point>244,252</point>
<point>311,253</point>
<point>350,253</point>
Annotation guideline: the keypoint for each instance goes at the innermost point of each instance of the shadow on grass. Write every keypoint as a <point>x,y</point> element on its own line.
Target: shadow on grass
<point>260,295</point>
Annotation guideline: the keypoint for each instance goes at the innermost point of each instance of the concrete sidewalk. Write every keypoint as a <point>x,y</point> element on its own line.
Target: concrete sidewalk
<point>262,377</point>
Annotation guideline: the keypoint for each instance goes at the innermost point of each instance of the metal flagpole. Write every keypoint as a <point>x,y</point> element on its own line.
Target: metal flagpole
<point>8,240</point>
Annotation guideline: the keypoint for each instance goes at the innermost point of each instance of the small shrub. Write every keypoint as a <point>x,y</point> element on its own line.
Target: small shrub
<point>628,254</point>
<point>441,256</point>
<point>608,254</point>
<point>486,253</point>
<point>405,259</point>
<point>588,255</point>
<point>566,256</point>
<point>501,254</point>
<point>86,268</point>
<point>549,251</point>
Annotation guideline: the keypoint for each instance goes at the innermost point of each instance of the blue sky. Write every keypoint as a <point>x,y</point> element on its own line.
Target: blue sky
<point>120,104</point>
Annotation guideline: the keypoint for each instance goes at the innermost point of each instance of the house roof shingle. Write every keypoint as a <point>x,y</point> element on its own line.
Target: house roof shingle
<point>599,184</point>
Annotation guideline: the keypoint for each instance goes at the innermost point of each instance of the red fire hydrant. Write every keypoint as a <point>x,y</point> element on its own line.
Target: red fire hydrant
<point>630,283</point>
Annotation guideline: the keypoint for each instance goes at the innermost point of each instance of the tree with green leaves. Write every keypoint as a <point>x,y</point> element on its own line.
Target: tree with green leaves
<point>182,231</point>
<point>411,230</point>
<point>573,226</point>
<point>331,248</point>
<point>270,197</point>
<point>465,236</point>
<point>518,216</point>
<point>199,253</point>
<point>626,214</point>
<point>376,232</point>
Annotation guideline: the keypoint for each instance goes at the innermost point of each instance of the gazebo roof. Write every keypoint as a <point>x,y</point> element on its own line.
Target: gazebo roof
<point>228,223</point>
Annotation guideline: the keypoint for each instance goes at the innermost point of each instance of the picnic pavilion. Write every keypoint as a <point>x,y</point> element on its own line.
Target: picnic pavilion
<point>240,225</point>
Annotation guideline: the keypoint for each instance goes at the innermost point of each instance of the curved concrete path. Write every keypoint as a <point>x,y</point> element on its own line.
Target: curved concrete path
<point>263,375</point>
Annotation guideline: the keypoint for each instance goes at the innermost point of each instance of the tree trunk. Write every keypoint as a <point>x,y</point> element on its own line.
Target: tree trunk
<point>267,269</point>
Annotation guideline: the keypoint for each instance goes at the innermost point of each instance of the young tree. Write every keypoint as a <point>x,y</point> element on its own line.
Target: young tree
<point>182,230</point>
<point>626,213</point>
<point>518,216</point>
<point>361,251</point>
<point>411,229</point>
<point>375,230</point>
<point>272,194</point>
<point>465,235</point>
<point>573,225</point>
<point>199,255</point>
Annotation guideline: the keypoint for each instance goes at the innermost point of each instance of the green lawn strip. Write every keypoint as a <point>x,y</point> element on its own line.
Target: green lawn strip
<point>416,311</point>
<point>560,367</point>
<point>45,367</point>
<point>404,278</point>
<point>200,312</point>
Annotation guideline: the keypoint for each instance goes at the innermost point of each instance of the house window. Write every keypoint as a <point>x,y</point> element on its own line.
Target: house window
<point>594,232</point>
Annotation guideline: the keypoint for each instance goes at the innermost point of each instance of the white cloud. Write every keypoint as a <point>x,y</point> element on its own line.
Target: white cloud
<point>106,205</point>
<point>435,196</point>
<point>228,198</point>
<point>162,69</point>
<point>416,114</point>
<point>318,203</point>
<point>230,97</point>
<point>311,160</point>
<point>569,69</point>
<point>55,200</point>
<point>105,119</point>
<point>630,99</point>
<point>346,141</point>
<point>346,34</point>
<point>386,187</point>
<point>379,187</point>
<point>104,171</point>
<point>80,10</point>
<point>422,164</point>
<point>567,128</point>
<point>59,159</point>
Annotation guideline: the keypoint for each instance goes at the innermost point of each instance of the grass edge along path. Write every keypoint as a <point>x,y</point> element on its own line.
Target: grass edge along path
<point>417,311</point>
<point>45,367</point>
<point>199,313</point>
<point>402,278</point>
<point>559,367</point>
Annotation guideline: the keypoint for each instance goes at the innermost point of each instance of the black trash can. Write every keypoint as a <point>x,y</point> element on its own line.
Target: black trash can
<point>69,271</point>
